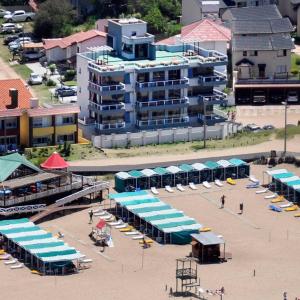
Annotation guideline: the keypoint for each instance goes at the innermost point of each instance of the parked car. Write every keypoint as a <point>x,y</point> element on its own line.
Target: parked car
<point>259,97</point>
<point>65,91</point>
<point>11,28</point>
<point>252,127</point>
<point>10,38</point>
<point>35,79</point>
<point>292,96</point>
<point>18,43</point>
<point>19,16</point>
<point>32,55</point>
<point>4,12</point>
<point>269,127</point>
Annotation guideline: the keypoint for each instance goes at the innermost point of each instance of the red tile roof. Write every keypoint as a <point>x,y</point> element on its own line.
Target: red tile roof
<point>72,39</point>
<point>202,31</point>
<point>24,94</point>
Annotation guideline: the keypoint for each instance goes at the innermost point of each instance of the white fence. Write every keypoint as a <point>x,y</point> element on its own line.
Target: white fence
<point>163,136</point>
<point>22,209</point>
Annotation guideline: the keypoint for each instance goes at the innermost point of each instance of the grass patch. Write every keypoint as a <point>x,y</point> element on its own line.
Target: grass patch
<point>38,155</point>
<point>291,132</point>
<point>70,83</point>
<point>295,64</point>
<point>242,139</point>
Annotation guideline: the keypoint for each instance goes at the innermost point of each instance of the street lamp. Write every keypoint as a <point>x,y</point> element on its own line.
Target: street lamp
<point>285,125</point>
<point>204,124</point>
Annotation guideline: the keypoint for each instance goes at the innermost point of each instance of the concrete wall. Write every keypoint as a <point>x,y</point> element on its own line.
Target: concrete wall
<point>94,42</point>
<point>162,136</point>
<point>269,58</point>
<point>56,54</point>
<point>191,12</point>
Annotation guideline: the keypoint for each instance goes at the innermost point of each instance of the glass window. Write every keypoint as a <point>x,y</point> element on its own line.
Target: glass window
<point>128,48</point>
<point>11,123</point>
<point>174,94</point>
<point>244,53</point>
<point>159,76</point>
<point>159,95</point>
<point>143,77</point>
<point>174,74</point>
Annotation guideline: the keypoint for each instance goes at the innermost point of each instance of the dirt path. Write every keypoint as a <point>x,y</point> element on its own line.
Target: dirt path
<point>292,146</point>
<point>6,72</point>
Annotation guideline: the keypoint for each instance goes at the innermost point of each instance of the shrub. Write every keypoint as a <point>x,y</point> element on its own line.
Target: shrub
<point>297,61</point>
<point>69,75</point>
<point>50,82</point>
<point>294,71</point>
<point>52,68</point>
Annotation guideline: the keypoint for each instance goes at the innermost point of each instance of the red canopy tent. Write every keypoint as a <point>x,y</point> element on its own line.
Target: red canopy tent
<point>55,162</point>
<point>101,224</point>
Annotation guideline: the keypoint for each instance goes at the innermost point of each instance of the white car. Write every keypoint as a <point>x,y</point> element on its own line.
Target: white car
<point>292,96</point>
<point>4,12</point>
<point>10,28</point>
<point>19,16</point>
<point>35,79</point>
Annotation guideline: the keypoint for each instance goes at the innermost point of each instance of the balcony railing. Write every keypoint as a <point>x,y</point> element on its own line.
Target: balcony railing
<point>106,107</point>
<point>156,103</point>
<point>215,96</point>
<point>107,88</point>
<point>211,119</point>
<point>147,37</point>
<point>167,121</point>
<point>205,56</point>
<point>108,126</point>
<point>217,77</point>
<point>162,83</point>
<point>94,66</point>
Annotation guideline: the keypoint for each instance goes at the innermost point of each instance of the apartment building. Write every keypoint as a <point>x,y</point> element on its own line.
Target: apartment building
<point>23,123</point>
<point>136,85</point>
<point>261,55</point>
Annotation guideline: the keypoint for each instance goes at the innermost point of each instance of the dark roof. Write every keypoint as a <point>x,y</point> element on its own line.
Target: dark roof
<point>262,42</point>
<point>265,12</point>
<point>245,61</point>
<point>208,238</point>
<point>261,26</point>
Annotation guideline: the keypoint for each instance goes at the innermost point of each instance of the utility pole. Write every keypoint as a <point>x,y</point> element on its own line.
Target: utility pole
<point>285,125</point>
<point>204,124</point>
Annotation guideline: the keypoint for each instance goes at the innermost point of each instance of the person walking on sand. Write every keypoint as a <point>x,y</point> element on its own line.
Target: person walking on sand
<point>222,201</point>
<point>241,208</point>
<point>91,213</point>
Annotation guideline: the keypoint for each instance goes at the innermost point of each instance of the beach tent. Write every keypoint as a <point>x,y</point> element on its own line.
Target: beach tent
<point>242,168</point>
<point>153,179</point>
<point>188,174</point>
<point>55,162</point>
<point>140,179</point>
<point>165,175</point>
<point>216,171</point>
<point>229,170</point>
<point>199,172</point>
<point>179,175</point>
<point>124,182</point>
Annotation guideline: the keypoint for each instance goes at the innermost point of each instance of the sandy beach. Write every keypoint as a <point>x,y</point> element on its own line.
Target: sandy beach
<point>259,239</point>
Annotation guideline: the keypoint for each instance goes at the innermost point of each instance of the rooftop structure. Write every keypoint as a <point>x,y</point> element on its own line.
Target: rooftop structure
<point>139,85</point>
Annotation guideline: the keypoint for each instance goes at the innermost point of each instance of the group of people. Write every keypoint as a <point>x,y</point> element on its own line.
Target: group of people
<point>223,204</point>
<point>231,115</point>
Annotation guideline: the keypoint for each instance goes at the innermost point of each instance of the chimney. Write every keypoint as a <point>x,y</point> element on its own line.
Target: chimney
<point>13,93</point>
<point>34,103</point>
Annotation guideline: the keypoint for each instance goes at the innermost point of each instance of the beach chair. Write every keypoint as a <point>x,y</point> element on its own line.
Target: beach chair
<point>121,226</point>
<point>132,233</point>
<point>86,260</point>
<point>127,229</point>
<point>297,215</point>
<point>206,184</point>
<point>5,257</point>
<point>218,183</point>
<point>252,185</point>
<point>192,186</point>
<point>19,266</point>
<point>253,179</point>
<point>119,222</point>
<point>101,213</point>
<point>169,189</point>
<point>11,262</point>
<point>261,191</point>
<point>278,199</point>
<point>138,237</point>
<point>36,272</point>
<point>271,196</point>
<point>292,208</point>
<point>231,181</point>
<point>180,188</point>
<point>106,218</point>
<point>204,229</point>
<point>275,208</point>
<point>154,191</point>
<point>289,204</point>
<point>147,241</point>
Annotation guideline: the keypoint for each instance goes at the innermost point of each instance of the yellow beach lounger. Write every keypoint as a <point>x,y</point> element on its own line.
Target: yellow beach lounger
<point>278,199</point>
<point>146,241</point>
<point>127,229</point>
<point>205,229</point>
<point>231,181</point>
<point>292,208</point>
<point>35,272</point>
<point>297,215</point>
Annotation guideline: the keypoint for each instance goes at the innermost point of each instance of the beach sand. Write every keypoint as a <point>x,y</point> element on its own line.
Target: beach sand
<point>259,239</point>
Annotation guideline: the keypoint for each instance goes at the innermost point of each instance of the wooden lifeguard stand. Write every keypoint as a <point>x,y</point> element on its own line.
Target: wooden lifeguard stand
<point>186,276</point>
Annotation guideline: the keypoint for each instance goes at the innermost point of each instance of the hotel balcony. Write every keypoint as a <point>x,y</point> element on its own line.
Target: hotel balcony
<point>107,109</point>
<point>110,126</point>
<point>217,78</point>
<point>108,89</point>
<point>138,39</point>
<point>216,97</point>
<point>162,104</point>
<point>163,84</point>
<point>206,57</point>
<point>104,69</point>
<point>211,119</point>
<point>167,122</point>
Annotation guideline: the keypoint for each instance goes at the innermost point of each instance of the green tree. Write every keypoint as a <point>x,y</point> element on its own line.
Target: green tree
<point>156,22</point>
<point>54,19</point>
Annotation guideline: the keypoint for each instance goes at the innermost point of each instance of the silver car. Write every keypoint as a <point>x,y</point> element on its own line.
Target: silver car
<point>4,12</point>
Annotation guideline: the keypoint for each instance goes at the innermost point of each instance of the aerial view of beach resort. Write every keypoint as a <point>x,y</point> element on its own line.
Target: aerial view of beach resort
<point>149,149</point>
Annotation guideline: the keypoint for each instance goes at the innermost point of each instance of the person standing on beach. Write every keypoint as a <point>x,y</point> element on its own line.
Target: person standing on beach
<point>91,213</point>
<point>222,201</point>
<point>241,208</point>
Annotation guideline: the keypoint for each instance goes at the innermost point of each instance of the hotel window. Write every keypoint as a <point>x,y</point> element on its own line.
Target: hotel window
<point>174,94</point>
<point>10,124</point>
<point>37,122</point>
<point>244,53</point>
<point>253,53</point>
<point>159,76</point>
<point>281,69</point>
<point>281,53</point>
<point>67,120</point>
